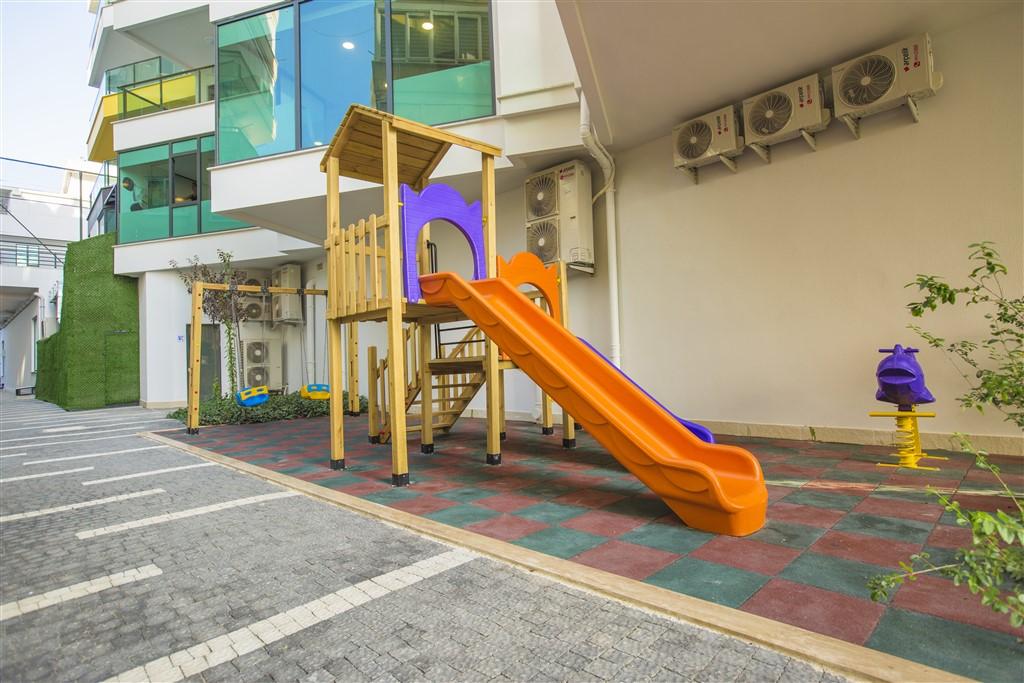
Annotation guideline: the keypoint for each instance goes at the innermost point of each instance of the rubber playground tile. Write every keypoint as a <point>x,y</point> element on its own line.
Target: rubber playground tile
<point>787,534</point>
<point>461,515</point>
<point>551,513</point>
<point>909,530</point>
<point>804,514</point>
<point>943,536</point>
<point>942,598</point>
<point>560,542</point>
<point>545,489</point>
<point>670,537</point>
<point>945,644</point>
<point>392,495</point>
<point>777,493</point>
<point>849,488</point>
<point>362,487</point>
<point>986,503</point>
<point>506,527</point>
<point>626,559</point>
<point>861,548</point>
<point>824,499</point>
<point>589,498</point>
<point>506,484</point>
<point>433,486</point>
<point>904,509</point>
<point>709,581</point>
<point>465,495</point>
<point>649,507</point>
<point>833,574</point>
<point>422,505</point>
<point>816,609</point>
<point>603,523</point>
<point>743,553</point>
<point>506,502</point>
<point>857,475</point>
<point>920,481</point>
<point>903,492</point>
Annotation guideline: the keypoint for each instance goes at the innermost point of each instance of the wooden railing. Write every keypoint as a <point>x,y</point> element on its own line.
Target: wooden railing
<point>357,258</point>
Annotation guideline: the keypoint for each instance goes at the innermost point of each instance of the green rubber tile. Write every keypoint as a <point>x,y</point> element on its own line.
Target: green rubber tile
<point>546,489</point>
<point>824,499</point>
<point>921,496</point>
<point>910,530</point>
<point>639,506</point>
<point>332,482</point>
<point>856,476</point>
<point>787,534</point>
<point>391,495</point>
<point>559,542</point>
<point>462,515</point>
<point>810,461</point>
<point>668,537</point>
<point>833,573</point>
<point>465,495</point>
<point>471,477</point>
<point>718,583</point>
<point>551,513</point>
<point>948,519</point>
<point>962,649</point>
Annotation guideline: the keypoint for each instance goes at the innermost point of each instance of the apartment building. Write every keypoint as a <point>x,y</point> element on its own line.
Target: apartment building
<point>754,301</point>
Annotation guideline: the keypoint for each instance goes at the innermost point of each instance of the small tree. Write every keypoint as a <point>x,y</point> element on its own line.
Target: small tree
<point>993,565</point>
<point>223,308</point>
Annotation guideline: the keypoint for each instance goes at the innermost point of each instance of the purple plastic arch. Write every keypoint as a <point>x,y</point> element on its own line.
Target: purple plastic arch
<point>435,203</point>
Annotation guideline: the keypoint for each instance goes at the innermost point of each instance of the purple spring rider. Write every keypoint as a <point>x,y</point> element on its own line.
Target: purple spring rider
<point>901,378</point>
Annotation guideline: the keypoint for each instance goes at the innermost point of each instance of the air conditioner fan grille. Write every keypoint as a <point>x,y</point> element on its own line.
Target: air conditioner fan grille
<point>770,113</point>
<point>542,240</point>
<point>694,140</point>
<point>867,80</point>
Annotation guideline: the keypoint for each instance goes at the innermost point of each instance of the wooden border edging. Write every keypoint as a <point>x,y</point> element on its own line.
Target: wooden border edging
<point>837,655</point>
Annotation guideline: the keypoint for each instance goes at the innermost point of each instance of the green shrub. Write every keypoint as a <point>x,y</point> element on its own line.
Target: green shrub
<point>224,410</point>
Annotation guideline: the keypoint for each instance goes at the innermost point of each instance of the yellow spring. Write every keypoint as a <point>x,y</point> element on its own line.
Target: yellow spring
<point>906,437</point>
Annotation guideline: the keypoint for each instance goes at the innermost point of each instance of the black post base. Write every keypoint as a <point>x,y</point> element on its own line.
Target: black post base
<point>351,413</point>
<point>578,426</point>
<point>547,431</point>
<point>337,464</point>
<point>400,479</point>
<point>504,436</point>
<point>426,448</point>
<point>192,430</point>
<point>568,443</point>
<point>494,458</point>
<point>375,438</point>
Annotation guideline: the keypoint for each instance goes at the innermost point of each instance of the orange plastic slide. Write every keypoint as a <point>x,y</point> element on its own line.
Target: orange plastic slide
<point>711,487</point>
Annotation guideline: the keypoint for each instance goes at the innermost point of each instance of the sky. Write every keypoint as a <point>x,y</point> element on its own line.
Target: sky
<point>45,102</point>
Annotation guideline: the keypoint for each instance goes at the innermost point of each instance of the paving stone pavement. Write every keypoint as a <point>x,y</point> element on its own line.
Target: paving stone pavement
<point>217,573</point>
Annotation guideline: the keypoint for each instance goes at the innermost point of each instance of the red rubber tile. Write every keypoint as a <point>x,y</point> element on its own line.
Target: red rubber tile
<point>940,598</point>
<point>950,537</point>
<point>822,518</point>
<point>507,502</point>
<point>626,559</point>
<point>581,481</point>
<point>904,509</point>
<point>507,527</point>
<point>848,487</point>
<point>858,466</point>
<point>816,609</point>
<point>505,483</point>
<point>589,498</point>
<point>364,487</point>
<point>422,505</point>
<point>436,486</point>
<point>987,503</point>
<point>921,482</point>
<point>604,523</point>
<point>753,556</point>
<point>776,493</point>
<point>864,548</point>
<point>795,471</point>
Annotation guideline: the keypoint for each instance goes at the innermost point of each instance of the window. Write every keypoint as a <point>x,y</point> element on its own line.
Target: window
<point>142,194</point>
<point>208,220</point>
<point>256,85</point>
<point>27,255</point>
<point>287,76</point>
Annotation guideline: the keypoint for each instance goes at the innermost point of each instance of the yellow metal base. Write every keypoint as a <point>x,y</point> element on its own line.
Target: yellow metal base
<point>908,440</point>
<point>910,461</point>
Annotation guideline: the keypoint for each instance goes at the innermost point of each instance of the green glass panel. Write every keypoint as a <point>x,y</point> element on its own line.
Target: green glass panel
<point>214,222</point>
<point>186,220</point>
<point>143,187</point>
<point>184,180</point>
<point>206,144</point>
<point>256,86</point>
<point>144,224</point>
<point>142,156</point>
<point>183,146</point>
<point>442,61</point>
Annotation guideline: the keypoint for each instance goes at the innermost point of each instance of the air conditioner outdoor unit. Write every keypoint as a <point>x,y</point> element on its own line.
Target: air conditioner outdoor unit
<point>707,139</point>
<point>261,364</point>
<point>255,307</point>
<point>559,216</point>
<point>790,111</point>
<point>287,308</point>
<point>898,74</point>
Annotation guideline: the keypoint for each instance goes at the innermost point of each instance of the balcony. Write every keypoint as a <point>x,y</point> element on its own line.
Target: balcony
<point>146,97</point>
<point>31,255</point>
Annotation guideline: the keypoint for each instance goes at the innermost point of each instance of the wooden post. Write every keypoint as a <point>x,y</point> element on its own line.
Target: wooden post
<point>334,345</point>
<point>491,372</point>
<point>396,338</point>
<point>568,423</point>
<point>426,393</point>
<point>194,357</point>
<point>501,403</point>
<point>353,369</point>
<point>546,418</point>
<point>371,381</point>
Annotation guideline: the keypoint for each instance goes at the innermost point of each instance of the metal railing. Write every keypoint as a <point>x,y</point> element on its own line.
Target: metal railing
<point>32,255</point>
<point>171,91</point>
<point>43,203</point>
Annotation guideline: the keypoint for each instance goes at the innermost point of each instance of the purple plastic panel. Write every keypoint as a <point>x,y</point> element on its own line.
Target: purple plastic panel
<point>438,202</point>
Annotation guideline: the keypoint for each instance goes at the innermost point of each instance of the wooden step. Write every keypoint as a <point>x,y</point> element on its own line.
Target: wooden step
<point>457,366</point>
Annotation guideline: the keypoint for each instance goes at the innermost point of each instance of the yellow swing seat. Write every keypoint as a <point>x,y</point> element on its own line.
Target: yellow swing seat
<point>316,392</point>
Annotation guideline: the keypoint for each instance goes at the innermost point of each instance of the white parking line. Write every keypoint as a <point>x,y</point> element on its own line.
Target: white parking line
<point>73,428</point>
<point>61,443</point>
<point>78,506</point>
<point>100,430</point>
<point>96,421</point>
<point>16,608</point>
<point>224,648</point>
<point>193,512</point>
<point>12,455</point>
<point>147,473</point>
<point>92,455</point>
<point>44,474</point>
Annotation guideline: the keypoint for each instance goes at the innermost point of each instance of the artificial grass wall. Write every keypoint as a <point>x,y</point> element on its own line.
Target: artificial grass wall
<point>93,361</point>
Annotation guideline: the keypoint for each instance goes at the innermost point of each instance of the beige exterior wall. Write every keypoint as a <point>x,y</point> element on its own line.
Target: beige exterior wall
<point>762,297</point>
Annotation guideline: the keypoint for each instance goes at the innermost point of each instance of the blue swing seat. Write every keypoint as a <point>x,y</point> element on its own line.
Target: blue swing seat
<point>252,396</point>
<point>316,392</point>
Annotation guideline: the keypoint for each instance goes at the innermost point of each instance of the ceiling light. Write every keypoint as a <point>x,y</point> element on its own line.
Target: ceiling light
<point>348,45</point>
<point>428,25</point>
